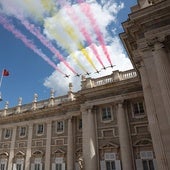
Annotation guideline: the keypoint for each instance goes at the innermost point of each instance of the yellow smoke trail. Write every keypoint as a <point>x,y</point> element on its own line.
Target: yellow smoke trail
<point>33,10</point>
<point>48,5</point>
<point>66,45</point>
<point>71,32</point>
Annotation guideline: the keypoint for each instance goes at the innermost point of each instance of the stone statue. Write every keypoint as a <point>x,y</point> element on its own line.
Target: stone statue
<point>81,162</point>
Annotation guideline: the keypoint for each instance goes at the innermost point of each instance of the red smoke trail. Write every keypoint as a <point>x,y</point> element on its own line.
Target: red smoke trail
<point>4,22</point>
<point>71,12</point>
<point>44,41</point>
<point>87,11</point>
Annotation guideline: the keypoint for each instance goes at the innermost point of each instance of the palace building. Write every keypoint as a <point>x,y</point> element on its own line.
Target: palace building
<point>117,122</point>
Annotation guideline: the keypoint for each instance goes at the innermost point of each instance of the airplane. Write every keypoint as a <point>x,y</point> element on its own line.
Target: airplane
<point>88,73</point>
<point>97,71</point>
<point>67,76</point>
<point>112,66</point>
<point>78,75</point>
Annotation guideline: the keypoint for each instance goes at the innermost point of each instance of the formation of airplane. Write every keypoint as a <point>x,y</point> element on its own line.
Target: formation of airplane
<point>88,73</point>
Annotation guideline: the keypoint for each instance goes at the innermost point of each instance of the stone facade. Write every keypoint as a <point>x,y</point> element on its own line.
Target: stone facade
<point>147,41</point>
<point>117,122</point>
<point>102,126</point>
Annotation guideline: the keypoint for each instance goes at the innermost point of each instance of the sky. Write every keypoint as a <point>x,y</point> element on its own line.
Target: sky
<point>47,44</point>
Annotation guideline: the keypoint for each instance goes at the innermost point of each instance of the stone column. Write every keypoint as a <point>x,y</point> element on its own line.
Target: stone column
<point>48,146</point>
<point>153,121</point>
<point>162,64</point>
<point>124,137</point>
<point>11,154</point>
<point>29,144</point>
<point>70,154</point>
<point>89,139</point>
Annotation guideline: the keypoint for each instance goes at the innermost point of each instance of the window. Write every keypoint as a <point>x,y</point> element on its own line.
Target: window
<point>2,166</point>
<point>106,113</point>
<point>7,133</point>
<point>18,167</point>
<point>110,156</point>
<point>3,163</point>
<point>138,109</point>
<point>148,164</point>
<point>40,129</point>
<point>110,165</point>
<point>146,154</point>
<point>80,124</point>
<point>58,166</point>
<point>60,126</point>
<point>37,166</point>
<point>22,131</point>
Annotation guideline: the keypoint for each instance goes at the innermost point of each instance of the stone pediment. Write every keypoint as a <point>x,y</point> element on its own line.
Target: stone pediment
<point>143,142</point>
<point>109,145</point>
<point>20,154</point>
<point>38,153</point>
<point>59,151</point>
<point>4,154</point>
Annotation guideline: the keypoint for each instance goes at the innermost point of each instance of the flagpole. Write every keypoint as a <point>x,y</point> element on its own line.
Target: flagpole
<point>1,78</point>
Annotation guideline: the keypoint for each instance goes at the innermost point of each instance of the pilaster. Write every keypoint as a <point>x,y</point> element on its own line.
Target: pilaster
<point>11,155</point>
<point>124,137</point>
<point>0,133</point>
<point>89,138</point>
<point>70,156</point>
<point>153,121</point>
<point>48,146</point>
<point>29,144</point>
<point>162,65</point>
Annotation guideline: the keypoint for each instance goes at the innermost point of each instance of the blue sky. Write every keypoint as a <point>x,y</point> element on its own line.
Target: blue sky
<point>29,73</point>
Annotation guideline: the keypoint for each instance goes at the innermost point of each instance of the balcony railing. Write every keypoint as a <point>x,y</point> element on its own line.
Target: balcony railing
<point>114,77</point>
<point>57,101</point>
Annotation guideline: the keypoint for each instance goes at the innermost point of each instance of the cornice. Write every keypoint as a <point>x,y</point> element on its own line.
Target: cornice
<point>150,10</point>
<point>47,112</point>
<point>108,89</point>
<point>115,99</point>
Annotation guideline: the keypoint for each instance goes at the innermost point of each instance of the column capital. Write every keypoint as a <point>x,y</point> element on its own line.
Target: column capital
<point>140,64</point>
<point>70,118</point>
<point>156,43</point>
<point>86,107</point>
<point>48,122</point>
<point>120,103</point>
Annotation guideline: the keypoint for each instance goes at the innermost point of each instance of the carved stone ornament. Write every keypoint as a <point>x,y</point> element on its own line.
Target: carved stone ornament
<point>154,1</point>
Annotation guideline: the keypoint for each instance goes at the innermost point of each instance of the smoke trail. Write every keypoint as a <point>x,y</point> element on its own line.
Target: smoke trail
<point>70,31</point>
<point>87,11</point>
<point>4,22</point>
<point>33,10</point>
<point>48,5</point>
<point>45,42</point>
<point>71,12</point>
<point>66,45</point>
